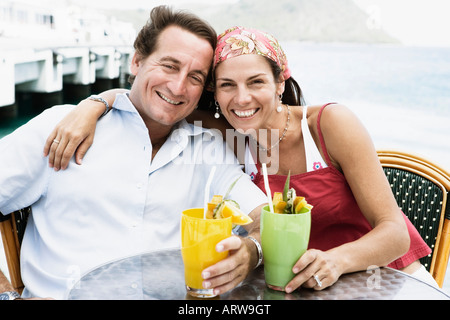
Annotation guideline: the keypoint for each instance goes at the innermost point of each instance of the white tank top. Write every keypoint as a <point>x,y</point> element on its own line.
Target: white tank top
<point>314,160</point>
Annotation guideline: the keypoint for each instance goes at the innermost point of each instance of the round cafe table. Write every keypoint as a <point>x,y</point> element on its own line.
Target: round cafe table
<point>160,275</point>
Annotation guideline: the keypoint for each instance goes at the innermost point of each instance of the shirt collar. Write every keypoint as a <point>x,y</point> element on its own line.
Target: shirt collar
<point>181,130</point>
<point>123,102</point>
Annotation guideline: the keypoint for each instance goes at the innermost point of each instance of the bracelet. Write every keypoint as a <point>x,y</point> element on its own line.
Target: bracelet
<point>259,249</point>
<point>98,98</point>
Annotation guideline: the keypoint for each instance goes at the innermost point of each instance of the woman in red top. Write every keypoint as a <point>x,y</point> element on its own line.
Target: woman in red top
<point>356,222</point>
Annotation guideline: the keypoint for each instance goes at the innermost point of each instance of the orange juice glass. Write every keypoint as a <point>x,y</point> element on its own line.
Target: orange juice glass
<point>199,238</point>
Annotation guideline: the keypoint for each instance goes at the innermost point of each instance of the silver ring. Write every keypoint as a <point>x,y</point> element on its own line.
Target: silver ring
<point>319,283</point>
<point>55,141</point>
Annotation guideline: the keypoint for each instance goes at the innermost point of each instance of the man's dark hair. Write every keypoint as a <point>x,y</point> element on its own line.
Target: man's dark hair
<point>162,17</point>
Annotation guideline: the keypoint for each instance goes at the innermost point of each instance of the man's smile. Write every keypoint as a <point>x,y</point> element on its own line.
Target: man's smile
<point>168,100</point>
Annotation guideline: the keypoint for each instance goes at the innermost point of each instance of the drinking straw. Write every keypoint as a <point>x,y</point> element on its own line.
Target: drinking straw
<point>208,184</point>
<point>266,185</point>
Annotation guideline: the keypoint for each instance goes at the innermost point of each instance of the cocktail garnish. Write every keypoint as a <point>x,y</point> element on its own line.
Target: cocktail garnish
<point>221,207</point>
<point>288,202</point>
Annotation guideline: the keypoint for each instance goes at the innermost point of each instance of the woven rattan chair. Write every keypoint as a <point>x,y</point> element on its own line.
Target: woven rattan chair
<point>421,189</point>
<point>12,228</point>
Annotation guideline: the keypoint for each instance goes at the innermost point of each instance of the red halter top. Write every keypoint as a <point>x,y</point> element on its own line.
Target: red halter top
<point>336,217</point>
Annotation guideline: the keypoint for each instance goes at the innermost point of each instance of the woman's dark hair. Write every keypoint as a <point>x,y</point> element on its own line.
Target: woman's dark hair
<point>162,17</point>
<point>292,92</point>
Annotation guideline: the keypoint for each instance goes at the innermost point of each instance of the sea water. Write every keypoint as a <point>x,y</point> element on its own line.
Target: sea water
<point>401,94</point>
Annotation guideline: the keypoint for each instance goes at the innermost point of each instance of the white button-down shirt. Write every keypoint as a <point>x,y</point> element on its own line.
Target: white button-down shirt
<point>119,202</point>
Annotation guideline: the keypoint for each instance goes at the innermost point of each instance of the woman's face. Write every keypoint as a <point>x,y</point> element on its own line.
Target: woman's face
<point>247,92</point>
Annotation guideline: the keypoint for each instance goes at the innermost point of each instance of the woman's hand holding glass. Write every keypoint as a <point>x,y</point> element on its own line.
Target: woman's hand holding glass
<point>315,269</point>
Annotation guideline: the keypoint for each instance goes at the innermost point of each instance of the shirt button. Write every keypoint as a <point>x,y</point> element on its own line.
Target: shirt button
<point>139,185</point>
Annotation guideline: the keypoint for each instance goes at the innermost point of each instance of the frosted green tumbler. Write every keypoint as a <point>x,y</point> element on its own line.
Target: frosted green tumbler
<point>284,239</point>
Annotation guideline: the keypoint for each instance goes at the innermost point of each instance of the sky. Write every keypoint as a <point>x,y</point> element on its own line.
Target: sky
<point>413,22</point>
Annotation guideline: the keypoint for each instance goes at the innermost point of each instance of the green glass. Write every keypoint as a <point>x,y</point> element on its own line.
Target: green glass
<point>284,239</point>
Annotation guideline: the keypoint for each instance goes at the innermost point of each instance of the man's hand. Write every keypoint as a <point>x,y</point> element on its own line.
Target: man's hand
<point>228,273</point>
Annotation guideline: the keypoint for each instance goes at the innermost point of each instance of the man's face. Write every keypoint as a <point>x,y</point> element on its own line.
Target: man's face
<point>170,81</point>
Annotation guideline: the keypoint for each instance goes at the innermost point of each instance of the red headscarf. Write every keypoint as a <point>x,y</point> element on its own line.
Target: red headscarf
<point>238,40</point>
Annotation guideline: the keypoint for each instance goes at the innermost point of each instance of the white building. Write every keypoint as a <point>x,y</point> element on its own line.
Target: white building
<point>50,43</point>
<point>44,23</point>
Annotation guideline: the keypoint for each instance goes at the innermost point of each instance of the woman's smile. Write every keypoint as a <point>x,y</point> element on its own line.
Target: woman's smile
<point>245,113</point>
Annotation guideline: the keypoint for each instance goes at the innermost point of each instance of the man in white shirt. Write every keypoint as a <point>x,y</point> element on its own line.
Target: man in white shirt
<point>145,166</point>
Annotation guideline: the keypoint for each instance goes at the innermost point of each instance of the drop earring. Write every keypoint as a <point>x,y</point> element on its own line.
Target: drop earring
<point>217,114</point>
<point>280,108</point>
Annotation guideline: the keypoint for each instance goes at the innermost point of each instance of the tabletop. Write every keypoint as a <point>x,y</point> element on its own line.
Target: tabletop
<point>160,275</point>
